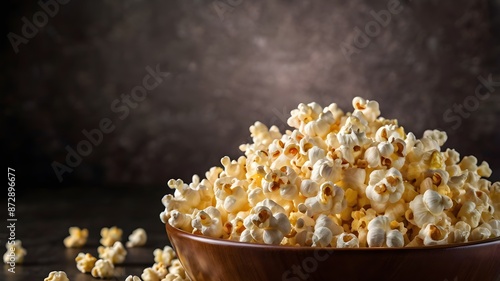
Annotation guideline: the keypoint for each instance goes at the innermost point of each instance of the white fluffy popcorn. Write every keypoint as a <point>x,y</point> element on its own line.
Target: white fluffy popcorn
<point>15,252</point>
<point>56,276</point>
<point>155,273</point>
<point>110,235</point>
<point>132,278</point>
<point>77,237</point>
<point>137,238</point>
<point>115,254</point>
<point>342,180</point>
<point>85,262</point>
<point>103,269</point>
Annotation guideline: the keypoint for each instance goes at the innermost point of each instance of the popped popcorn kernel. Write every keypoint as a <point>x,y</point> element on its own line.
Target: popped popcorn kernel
<point>77,237</point>
<point>155,273</point>
<point>115,254</point>
<point>165,255</point>
<point>339,179</point>
<point>56,276</point>
<point>132,278</point>
<point>15,252</point>
<point>110,236</point>
<point>137,238</point>
<point>85,262</point>
<point>103,269</point>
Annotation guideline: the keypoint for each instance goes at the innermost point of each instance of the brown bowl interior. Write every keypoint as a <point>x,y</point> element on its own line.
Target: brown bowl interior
<point>212,259</point>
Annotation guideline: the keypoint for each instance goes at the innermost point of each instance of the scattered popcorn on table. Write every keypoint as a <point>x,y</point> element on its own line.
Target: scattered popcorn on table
<point>137,238</point>
<point>115,254</point>
<point>103,269</point>
<point>77,237</point>
<point>56,276</point>
<point>110,236</point>
<point>15,252</point>
<point>155,273</point>
<point>164,256</point>
<point>341,180</point>
<point>85,262</point>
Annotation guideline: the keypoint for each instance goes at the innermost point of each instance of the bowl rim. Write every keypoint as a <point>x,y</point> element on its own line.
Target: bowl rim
<point>226,242</point>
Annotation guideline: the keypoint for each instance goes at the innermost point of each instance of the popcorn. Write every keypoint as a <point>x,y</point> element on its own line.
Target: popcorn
<point>433,234</point>
<point>110,235</point>
<point>177,269</point>
<point>385,186</point>
<point>132,278</point>
<point>208,222</point>
<point>329,200</point>
<point>15,252</point>
<point>164,256</point>
<point>103,269</point>
<point>380,233</point>
<point>342,180</point>
<point>85,262</point>
<point>137,238</point>
<point>56,276</point>
<point>265,226</point>
<point>77,237</point>
<point>155,273</point>
<point>347,240</point>
<point>115,254</point>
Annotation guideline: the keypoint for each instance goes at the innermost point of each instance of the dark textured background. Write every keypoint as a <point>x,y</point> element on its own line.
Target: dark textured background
<point>258,62</point>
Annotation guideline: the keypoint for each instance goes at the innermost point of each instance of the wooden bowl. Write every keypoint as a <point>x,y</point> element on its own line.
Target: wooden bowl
<point>212,259</point>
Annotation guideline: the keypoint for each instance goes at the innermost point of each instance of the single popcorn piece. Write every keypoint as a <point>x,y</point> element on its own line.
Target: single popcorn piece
<point>115,254</point>
<point>340,179</point>
<point>264,226</point>
<point>110,236</point>
<point>103,269</point>
<point>347,240</point>
<point>137,238</point>
<point>380,233</point>
<point>15,252</point>
<point>208,222</point>
<point>164,256</point>
<point>77,237</point>
<point>56,276</point>
<point>85,262</point>
<point>132,278</point>
<point>155,273</point>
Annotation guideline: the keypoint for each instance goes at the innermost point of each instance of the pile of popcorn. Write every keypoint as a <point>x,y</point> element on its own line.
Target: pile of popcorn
<point>342,180</point>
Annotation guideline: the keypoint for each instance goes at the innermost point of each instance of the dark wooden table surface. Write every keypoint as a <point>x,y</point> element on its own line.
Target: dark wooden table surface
<point>44,216</point>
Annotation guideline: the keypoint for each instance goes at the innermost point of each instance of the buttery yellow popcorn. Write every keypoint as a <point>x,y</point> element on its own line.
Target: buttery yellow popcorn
<point>85,262</point>
<point>164,256</point>
<point>110,235</point>
<point>115,254</point>
<point>155,273</point>
<point>103,269</point>
<point>15,252</point>
<point>340,179</point>
<point>56,276</point>
<point>77,237</point>
<point>137,238</point>
<point>177,269</point>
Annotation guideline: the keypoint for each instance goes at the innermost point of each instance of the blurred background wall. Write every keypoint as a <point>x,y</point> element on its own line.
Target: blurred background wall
<point>230,63</point>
